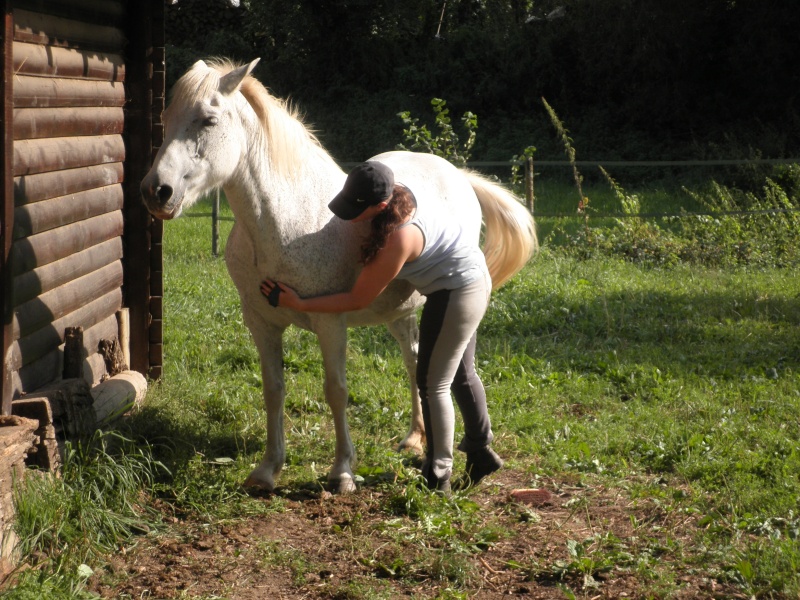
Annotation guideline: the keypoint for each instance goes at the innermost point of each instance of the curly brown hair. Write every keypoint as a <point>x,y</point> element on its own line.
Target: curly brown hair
<point>401,204</point>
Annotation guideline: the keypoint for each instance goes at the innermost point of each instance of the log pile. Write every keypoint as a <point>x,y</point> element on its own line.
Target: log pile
<point>71,408</point>
<point>17,440</point>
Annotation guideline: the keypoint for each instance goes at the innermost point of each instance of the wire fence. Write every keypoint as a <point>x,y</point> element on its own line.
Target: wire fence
<point>545,184</point>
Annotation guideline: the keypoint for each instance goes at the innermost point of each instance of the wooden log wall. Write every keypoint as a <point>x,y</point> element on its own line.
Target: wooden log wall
<point>69,140</point>
<point>6,206</point>
<point>144,132</point>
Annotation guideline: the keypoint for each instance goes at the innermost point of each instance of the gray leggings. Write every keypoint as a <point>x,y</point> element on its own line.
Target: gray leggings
<point>446,363</point>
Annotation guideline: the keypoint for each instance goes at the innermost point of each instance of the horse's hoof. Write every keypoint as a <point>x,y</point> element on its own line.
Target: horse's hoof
<point>257,491</point>
<point>258,484</point>
<point>414,442</point>
<point>343,485</point>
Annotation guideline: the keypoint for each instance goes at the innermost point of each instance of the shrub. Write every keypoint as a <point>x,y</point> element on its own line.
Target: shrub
<point>446,143</point>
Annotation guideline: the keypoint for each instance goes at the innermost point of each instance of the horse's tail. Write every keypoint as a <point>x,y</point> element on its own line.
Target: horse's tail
<point>510,233</point>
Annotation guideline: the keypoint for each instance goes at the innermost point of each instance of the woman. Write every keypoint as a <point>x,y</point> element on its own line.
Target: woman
<point>425,247</point>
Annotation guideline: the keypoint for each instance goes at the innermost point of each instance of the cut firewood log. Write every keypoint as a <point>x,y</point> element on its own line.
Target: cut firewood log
<point>117,395</point>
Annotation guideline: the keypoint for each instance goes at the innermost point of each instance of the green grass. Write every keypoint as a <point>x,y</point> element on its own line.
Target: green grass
<point>95,507</point>
<point>595,368</point>
<point>678,386</point>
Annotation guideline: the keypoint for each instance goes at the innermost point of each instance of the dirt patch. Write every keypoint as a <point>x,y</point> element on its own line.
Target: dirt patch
<point>589,540</point>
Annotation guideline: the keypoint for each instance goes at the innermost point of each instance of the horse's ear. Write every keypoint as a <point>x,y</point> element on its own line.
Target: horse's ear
<point>230,82</point>
<point>199,64</point>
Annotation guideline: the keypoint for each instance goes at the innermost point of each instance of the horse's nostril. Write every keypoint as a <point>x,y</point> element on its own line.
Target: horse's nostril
<point>164,193</point>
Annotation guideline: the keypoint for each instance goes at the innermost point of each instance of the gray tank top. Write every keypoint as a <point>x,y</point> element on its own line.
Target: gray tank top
<point>448,260</point>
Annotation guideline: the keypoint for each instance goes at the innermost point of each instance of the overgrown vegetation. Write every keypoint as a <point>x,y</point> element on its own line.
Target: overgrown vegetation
<point>446,142</point>
<point>731,227</point>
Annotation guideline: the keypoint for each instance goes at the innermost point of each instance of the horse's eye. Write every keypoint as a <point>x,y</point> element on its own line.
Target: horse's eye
<point>209,121</point>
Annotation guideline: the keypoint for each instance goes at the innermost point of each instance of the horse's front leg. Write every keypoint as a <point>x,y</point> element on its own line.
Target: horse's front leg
<point>406,331</point>
<point>332,334</point>
<point>269,341</point>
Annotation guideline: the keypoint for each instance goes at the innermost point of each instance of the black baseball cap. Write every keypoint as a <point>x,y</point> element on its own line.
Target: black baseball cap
<point>368,184</point>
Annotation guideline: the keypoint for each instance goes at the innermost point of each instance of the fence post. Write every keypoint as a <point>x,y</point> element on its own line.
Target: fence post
<point>215,225</point>
<point>529,182</point>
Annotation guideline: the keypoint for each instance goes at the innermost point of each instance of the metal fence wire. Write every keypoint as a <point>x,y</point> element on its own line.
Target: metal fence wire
<point>549,185</point>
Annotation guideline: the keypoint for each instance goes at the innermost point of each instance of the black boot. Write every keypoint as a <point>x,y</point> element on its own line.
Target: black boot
<point>437,484</point>
<point>480,463</point>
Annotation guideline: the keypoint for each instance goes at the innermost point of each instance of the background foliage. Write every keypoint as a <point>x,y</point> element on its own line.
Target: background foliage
<point>635,79</point>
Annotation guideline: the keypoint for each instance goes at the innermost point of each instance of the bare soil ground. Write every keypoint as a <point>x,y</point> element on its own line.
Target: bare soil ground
<point>327,546</point>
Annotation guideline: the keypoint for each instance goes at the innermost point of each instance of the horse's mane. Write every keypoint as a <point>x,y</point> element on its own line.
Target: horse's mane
<point>287,139</point>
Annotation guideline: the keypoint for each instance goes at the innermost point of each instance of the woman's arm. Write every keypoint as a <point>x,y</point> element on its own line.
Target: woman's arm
<point>402,245</point>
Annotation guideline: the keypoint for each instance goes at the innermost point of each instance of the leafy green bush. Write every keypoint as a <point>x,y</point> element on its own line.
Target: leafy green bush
<point>446,143</point>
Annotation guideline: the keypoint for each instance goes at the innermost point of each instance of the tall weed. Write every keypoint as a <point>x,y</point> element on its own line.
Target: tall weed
<point>744,227</point>
<point>734,228</point>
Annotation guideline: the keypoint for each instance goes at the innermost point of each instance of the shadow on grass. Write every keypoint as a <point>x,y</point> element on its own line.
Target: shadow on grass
<point>722,335</point>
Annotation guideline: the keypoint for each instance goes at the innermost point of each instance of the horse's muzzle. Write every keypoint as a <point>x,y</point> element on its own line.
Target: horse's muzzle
<point>157,200</point>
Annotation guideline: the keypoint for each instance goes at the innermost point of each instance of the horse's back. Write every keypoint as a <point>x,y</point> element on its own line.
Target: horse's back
<point>435,180</point>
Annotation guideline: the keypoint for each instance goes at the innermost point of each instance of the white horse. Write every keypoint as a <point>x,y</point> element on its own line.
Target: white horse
<point>223,129</point>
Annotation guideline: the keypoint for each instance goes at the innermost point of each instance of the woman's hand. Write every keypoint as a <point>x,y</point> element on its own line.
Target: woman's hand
<point>280,294</point>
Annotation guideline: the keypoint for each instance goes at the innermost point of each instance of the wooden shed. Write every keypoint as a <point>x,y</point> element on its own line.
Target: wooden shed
<point>82,94</point>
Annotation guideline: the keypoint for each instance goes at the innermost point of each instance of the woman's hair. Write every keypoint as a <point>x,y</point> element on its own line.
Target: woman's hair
<point>401,204</point>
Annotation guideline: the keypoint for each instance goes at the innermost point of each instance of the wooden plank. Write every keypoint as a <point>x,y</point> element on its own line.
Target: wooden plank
<point>157,307</point>
<point>43,186</point>
<point>50,246</point>
<point>156,358</point>
<point>157,336</point>
<point>42,28</point>
<point>32,219</point>
<point>6,208</point>
<point>48,277</point>
<point>53,305</point>
<point>35,123</point>
<point>47,456</point>
<point>39,60</point>
<point>37,373</point>
<point>157,283</point>
<point>104,11</point>
<point>44,370</point>
<point>158,85</point>
<point>44,92</point>
<point>38,156</point>
<point>38,344</point>
<point>144,85</point>
<point>156,256</point>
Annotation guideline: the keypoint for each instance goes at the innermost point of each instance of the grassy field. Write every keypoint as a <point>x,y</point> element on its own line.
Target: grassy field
<point>660,407</point>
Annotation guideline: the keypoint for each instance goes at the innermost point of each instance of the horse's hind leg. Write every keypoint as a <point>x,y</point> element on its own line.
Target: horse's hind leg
<point>406,331</point>
<point>332,335</point>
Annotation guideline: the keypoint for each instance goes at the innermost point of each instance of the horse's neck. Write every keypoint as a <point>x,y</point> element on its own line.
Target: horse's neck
<point>276,210</point>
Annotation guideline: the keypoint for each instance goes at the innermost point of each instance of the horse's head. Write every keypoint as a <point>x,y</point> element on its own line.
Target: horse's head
<point>203,139</point>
